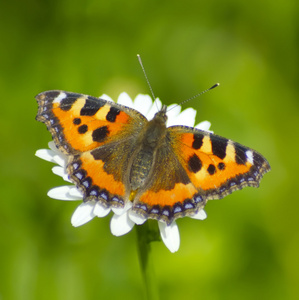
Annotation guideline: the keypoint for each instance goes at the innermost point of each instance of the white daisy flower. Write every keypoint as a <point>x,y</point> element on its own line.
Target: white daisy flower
<point>123,219</point>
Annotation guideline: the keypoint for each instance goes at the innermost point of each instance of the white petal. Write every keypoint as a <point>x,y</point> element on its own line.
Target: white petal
<point>154,109</point>
<point>121,224</point>
<point>170,235</point>
<point>205,125</point>
<point>60,171</point>
<point>124,99</point>
<point>52,146</point>
<point>63,193</point>
<point>121,210</point>
<point>83,214</point>
<point>106,97</point>
<point>136,218</point>
<point>59,157</point>
<point>46,154</point>
<point>100,210</point>
<point>73,191</point>
<point>186,117</point>
<point>143,103</point>
<point>200,215</point>
<point>172,113</point>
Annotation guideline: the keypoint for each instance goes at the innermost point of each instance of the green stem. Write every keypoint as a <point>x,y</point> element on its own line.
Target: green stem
<point>146,233</point>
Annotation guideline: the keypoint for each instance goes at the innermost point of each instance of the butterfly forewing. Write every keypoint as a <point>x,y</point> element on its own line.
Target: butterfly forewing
<point>80,123</point>
<point>215,165</point>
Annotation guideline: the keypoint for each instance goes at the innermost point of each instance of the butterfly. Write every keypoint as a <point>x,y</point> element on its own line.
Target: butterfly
<point>116,155</point>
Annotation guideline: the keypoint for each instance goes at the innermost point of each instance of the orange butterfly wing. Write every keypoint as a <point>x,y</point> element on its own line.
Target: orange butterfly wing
<point>80,123</point>
<point>199,166</point>
<point>98,136</point>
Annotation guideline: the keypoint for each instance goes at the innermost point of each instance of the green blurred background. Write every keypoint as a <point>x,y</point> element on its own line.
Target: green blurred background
<point>248,246</point>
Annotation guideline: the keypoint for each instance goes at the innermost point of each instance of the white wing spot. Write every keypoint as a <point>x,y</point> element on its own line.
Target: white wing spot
<point>249,156</point>
<point>59,98</point>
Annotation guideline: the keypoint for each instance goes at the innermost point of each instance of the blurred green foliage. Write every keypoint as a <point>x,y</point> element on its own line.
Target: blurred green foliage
<point>248,246</point>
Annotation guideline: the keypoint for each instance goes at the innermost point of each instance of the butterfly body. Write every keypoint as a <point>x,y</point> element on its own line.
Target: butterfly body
<point>116,155</point>
<point>150,139</point>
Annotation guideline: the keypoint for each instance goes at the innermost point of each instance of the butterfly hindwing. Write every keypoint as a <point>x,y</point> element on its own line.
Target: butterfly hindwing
<point>169,192</point>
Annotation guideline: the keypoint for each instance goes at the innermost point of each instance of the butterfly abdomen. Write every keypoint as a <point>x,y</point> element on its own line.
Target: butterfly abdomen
<point>140,168</point>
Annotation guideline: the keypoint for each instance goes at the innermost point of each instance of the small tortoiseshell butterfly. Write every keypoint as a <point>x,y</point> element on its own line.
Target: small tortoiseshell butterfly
<point>116,155</point>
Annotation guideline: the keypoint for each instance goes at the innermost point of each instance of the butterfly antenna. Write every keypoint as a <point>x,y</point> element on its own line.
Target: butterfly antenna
<point>197,95</point>
<point>148,83</point>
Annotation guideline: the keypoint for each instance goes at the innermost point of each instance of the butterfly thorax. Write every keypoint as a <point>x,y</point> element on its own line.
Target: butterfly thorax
<point>151,139</point>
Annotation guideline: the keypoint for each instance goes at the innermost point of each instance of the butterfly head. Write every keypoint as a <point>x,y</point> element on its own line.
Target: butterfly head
<point>160,116</point>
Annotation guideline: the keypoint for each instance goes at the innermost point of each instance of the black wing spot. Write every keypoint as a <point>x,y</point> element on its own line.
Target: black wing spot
<point>211,169</point>
<point>112,114</point>
<point>77,121</point>
<point>82,129</point>
<point>100,134</point>
<point>219,146</point>
<point>91,106</point>
<point>194,163</point>
<point>67,103</point>
<point>197,140</point>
